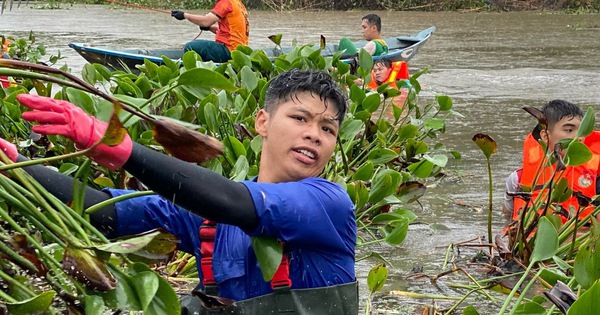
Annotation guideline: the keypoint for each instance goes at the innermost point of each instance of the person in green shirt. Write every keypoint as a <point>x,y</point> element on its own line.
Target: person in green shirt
<point>371,31</point>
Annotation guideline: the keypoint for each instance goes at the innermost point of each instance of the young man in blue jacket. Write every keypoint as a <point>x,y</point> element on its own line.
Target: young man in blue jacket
<point>312,217</point>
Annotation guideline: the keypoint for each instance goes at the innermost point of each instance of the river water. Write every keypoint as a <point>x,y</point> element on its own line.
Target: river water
<point>491,64</point>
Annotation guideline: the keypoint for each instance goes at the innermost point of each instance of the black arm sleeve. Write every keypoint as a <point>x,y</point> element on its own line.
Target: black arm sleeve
<point>61,186</point>
<point>197,189</point>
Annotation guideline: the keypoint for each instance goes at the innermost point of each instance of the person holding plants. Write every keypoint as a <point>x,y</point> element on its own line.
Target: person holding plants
<point>371,31</point>
<point>563,119</point>
<point>228,20</point>
<point>313,218</point>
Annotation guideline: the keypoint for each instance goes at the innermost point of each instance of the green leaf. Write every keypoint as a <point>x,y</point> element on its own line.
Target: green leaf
<point>380,188</point>
<point>364,172</point>
<point>470,310</point>
<point>94,305</point>
<point>165,301</point>
<point>256,144</point>
<point>577,154</point>
<point>421,169</point>
<point>444,101</point>
<point>68,168</point>
<point>268,253</point>
<point>587,303</point>
<point>365,63</point>
<point>189,60</point>
<point>205,78</point>
<point>561,192</point>
<point>88,73</point>
<point>236,146</point>
<point>146,285</point>
<point>397,234</point>
<point>411,191</point>
<point>276,39</point>
<point>587,262</point>
<point>357,95</point>
<point>123,296</point>
<point>398,215</point>
<point>408,131</point>
<point>350,128</point>
<point>164,75</point>
<point>81,99</point>
<point>382,156</point>
<point>371,102</point>
<point>529,308</point>
<point>563,265</point>
<point>551,276</point>
<point>174,112</point>
<point>240,169</point>
<point>587,123</point>
<point>377,277</point>
<point>546,241</point>
<point>104,182</point>
<point>439,160</point>
<point>36,304</point>
<point>248,78</point>
<point>210,114</point>
<point>239,59</point>
<point>130,245</point>
<point>362,195</point>
<point>435,123</point>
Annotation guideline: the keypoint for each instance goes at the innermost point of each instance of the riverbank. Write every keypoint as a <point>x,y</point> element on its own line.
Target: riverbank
<point>569,6</point>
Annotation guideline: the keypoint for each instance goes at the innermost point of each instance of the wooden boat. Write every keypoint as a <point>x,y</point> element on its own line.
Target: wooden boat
<point>400,48</point>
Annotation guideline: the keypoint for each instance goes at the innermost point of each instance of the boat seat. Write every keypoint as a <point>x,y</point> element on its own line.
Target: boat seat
<point>406,39</point>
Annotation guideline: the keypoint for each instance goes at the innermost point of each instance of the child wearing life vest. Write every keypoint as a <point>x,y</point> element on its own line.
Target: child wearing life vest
<point>563,120</point>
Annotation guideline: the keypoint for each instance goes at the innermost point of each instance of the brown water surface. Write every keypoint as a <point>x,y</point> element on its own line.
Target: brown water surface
<point>491,64</point>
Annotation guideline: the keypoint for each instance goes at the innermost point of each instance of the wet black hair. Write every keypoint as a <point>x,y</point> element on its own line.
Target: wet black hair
<point>386,62</point>
<point>373,19</point>
<point>556,110</point>
<point>288,85</point>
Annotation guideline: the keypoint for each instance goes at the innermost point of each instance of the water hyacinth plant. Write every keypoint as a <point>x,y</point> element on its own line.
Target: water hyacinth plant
<point>382,162</point>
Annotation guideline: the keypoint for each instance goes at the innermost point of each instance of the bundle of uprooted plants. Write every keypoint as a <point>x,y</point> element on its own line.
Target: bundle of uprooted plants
<point>50,252</point>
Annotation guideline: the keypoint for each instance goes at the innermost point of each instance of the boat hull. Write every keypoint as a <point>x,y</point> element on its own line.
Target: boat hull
<point>400,48</point>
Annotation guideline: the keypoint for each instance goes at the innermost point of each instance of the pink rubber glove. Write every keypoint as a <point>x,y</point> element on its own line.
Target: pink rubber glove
<point>57,117</point>
<point>9,149</point>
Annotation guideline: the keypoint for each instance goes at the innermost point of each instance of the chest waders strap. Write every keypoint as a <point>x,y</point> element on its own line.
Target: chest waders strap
<point>207,233</point>
<point>281,282</point>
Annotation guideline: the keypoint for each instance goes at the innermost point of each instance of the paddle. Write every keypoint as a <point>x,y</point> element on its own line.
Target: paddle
<point>138,6</point>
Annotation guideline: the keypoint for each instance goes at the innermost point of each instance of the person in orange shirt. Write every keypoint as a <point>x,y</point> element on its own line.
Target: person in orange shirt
<point>228,20</point>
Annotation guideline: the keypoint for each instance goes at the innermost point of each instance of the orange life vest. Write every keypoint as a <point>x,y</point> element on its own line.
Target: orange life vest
<point>4,81</point>
<point>581,178</point>
<point>399,72</point>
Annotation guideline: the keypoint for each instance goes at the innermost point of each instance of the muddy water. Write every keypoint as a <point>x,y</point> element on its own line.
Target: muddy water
<point>491,64</point>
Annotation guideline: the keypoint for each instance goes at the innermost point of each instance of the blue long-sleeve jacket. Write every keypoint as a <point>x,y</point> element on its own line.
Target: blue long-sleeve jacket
<point>314,217</point>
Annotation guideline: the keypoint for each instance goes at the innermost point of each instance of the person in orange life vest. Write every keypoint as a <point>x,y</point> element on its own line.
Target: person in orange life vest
<point>371,31</point>
<point>228,20</point>
<point>313,217</point>
<point>563,120</point>
<point>384,70</point>
<point>4,80</point>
